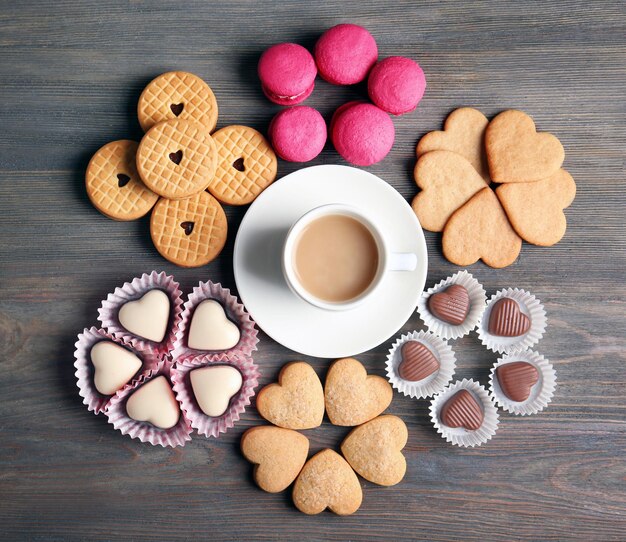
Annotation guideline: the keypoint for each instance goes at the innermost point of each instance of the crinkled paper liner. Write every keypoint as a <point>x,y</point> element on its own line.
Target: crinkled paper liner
<point>458,435</point>
<point>235,312</point>
<point>144,431</point>
<point>94,400</point>
<point>540,394</point>
<point>530,306</point>
<point>207,425</point>
<point>433,383</point>
<point>131,291</point>
<point>477,296</point>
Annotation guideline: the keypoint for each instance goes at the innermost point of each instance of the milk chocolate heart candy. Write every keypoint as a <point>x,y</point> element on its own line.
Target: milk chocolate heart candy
<point>517,379</point>
<point>154,402</point>
<point>214,386</point>
<point>450,305</point>
<point>114,366</point>
<point>278,454</point>
<point>517,153</point>
<point>148,316</point>
<point>327,481</point>
<point>418,362</point>
<point>506,319</point>
<point>462,410</point>
<point>211,329</point>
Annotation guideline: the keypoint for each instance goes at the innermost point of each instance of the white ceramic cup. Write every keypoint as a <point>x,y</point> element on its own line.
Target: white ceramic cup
<point>388,261</point>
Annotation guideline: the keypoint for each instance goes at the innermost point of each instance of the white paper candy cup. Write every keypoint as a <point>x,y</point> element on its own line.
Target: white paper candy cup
<point>540,394</point>
<point>458,435</point>
<point>477,297</point>
<point>530,306</point>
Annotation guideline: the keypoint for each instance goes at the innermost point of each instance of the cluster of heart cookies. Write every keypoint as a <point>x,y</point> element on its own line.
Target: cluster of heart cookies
<point>456,168</point>
<point>350,397</point>
<point>159,367</point>
<point>181,170</point>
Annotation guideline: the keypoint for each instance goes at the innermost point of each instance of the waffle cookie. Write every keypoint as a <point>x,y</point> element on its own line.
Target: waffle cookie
<point>189,232</point>
<point>113,184</point>
<point>246,165</point>
<point>177,158</point>
<point>177,95</point>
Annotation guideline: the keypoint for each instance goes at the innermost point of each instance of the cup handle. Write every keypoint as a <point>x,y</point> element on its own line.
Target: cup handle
<point>402,261</point>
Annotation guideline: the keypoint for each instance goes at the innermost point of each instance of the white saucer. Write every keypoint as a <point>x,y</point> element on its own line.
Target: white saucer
<point>292,321</point>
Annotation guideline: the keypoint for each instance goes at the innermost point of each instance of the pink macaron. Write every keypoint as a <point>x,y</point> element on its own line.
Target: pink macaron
<point>345,54</point>
<point>362,133</point>
<point>287,72</point>
<point>298,134</point>
<point>396,84</point>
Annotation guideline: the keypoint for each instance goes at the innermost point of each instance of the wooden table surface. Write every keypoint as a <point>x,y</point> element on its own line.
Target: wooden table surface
<point>70,76</point>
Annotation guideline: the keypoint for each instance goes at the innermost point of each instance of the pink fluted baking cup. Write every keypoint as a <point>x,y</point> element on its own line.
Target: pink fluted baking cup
<point>207,425</point>
<point>235,312</point>
<point>95,400</point>
<point>131,291</point>
<point>145,431</point>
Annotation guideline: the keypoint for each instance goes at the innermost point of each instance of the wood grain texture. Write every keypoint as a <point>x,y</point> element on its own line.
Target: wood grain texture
<point>71,74</point>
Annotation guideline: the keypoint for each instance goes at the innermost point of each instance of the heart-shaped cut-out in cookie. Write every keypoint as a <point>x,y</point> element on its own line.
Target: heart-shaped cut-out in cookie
<point>517,153</point>
<point>176,157</point>
<point>464,134</point>
<point>278,454</point>
<point>177,109</point>
<point>507,320</point>
<point>374,450</point>
<point>297,401</point>
<point>327,481</point>
<point>535,209</point>
<point>517,379</point>
<point>214,386</point>
<point>114,366</point>
<point>462,410</point>
<point>450,305</point>
<point>418,362</point>
<point>352,396</point>
<point>447,181</point>
<point>211,329</point>
<point>148,316</point>
<point>481,230</point>
<point>154,402</point>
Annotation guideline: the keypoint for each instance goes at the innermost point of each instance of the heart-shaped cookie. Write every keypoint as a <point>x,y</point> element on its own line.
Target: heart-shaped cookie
<point>154,402</point>
<point>352,396</point>
<point>278,454</point>
<point>535,210</point>
<point>297,401</point>
<point>148,316</point>
<point>374,450</point>
<point>114,366</point>
<point>462,410</point>
<point>507,320</point>
<point>463,133</point>
<point>517,153</point>
<point>517,379</point>
<point>447,181</point>
<point>211,329</point>
<point>327,481</point>
<point>450,305</point>
<point>481,230</point>
<point>214,386</point>
<point>418,362</point>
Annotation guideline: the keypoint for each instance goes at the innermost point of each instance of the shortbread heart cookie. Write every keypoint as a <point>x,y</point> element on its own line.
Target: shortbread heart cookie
<point>278,455</point>
<point>517,379</point>
<point>211,329</point>
<point>148,316</point>
<point>327,481</point>
<point>464,134</point>
<point>447,181</point>
<point>517,153</point>
<point>297,401</point>
<point>374,450</point>
<point>535,209</point>
<point>481,230</point>
<point>352,396</point>
<point>154,402</point>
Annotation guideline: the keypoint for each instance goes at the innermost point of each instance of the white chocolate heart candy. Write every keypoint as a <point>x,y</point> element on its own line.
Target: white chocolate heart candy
<point>154,402</point>
<point>211,329</point>
<point>114,366</point>
<point>214,387</point>
<point>148,316</point>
